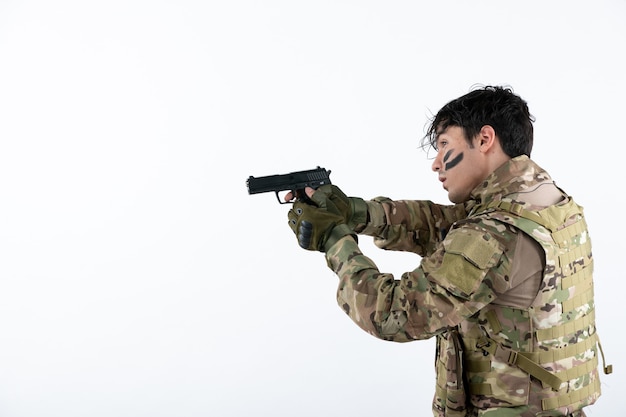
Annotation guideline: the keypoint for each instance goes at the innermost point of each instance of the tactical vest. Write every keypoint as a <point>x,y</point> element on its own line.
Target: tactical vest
<point>504,356</point>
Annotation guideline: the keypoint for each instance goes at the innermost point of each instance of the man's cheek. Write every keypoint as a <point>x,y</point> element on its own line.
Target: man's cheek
<point>451,163</point>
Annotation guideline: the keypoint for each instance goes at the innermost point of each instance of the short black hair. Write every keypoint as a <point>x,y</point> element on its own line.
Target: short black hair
<point>496,106</point>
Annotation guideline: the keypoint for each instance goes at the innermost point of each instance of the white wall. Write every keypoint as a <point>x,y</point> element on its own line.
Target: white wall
<point>138,277</point>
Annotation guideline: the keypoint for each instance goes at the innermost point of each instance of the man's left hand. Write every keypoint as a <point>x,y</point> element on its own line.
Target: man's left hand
<point>319,226</point>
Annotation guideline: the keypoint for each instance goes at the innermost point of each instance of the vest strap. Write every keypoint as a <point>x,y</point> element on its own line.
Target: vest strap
<point>579,370</point>
<point>554,355</point>
<point>569,257</point>
<point>477,365</point>
<point>572,396</point>
<point>526,361</point>
<point>517,209</point>
<point>543,356</point>
<point>562,237</point>
<point>526,364</point>
<point>492,317</point>
<point>571,327</point>
<point>480,388</point>
<point>578,300</point>
<point>608,369</point>
<point>583,276</point>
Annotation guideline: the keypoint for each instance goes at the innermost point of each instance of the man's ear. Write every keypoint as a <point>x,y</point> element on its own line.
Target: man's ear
<point>486,138</point>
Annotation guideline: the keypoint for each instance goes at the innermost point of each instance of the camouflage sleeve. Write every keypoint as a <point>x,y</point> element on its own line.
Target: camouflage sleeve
<point>456,281</point>
<point>410,225</point>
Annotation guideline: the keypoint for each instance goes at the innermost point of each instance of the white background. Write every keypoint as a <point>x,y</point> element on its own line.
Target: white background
<point>138,277</point>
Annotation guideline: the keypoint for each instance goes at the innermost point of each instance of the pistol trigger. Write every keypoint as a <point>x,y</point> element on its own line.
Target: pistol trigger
<point>279,200</point>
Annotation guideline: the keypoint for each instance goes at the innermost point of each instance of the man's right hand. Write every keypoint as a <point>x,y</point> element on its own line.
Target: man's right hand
<point>353,209</point>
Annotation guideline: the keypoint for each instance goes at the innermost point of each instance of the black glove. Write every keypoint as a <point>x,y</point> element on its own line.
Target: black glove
<point>353,209</point>
<point>319,226</point>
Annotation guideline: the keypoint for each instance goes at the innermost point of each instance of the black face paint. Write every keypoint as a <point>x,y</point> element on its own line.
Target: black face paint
<point>449,165</point>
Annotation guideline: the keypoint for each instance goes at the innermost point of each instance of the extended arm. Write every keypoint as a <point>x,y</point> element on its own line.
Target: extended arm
<point>403,225</point>
<point>410,225</point>
<point>459,278</point>
<point>448,286</point>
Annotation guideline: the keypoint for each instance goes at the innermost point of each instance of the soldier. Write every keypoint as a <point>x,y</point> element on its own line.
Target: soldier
<point>505,279</point>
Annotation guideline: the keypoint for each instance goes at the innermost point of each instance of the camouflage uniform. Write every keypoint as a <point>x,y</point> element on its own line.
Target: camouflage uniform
<point>494,358</point>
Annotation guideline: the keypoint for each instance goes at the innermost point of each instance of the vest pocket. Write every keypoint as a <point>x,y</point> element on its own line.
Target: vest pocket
<point>450,394</point>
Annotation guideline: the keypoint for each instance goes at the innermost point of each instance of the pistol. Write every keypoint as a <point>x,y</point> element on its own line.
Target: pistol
<point>294,182</point>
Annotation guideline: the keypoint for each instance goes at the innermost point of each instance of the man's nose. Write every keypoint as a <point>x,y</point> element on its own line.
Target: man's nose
<point>436,165</point>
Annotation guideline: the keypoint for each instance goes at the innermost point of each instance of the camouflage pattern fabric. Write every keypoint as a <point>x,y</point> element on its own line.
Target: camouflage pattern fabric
<point>504,361</point>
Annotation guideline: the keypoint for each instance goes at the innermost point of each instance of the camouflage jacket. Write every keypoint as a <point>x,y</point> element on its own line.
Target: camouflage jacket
<point>489,357</point>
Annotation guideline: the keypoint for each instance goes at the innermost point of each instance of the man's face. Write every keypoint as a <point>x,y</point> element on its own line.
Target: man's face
<point>460,165</point>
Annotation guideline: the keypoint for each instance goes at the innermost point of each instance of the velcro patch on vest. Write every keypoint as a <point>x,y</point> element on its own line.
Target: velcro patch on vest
<point>468,255</point>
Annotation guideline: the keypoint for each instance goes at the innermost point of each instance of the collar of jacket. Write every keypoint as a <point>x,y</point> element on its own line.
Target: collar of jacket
<point>517,175</point>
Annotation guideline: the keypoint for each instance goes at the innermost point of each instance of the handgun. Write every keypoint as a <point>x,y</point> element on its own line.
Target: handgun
<point>294,182</point>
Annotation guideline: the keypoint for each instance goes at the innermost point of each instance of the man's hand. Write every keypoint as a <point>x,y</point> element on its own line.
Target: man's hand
<point>318,226</point>
<point>352,209</point>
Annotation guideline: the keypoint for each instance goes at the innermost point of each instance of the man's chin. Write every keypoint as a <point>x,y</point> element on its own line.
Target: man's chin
<point>456,199</point>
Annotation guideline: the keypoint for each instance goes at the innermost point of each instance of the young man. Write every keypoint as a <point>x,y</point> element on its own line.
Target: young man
<point>505,280</point>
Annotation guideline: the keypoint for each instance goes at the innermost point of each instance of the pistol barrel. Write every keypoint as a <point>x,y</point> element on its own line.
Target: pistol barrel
<point>293,181</point>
